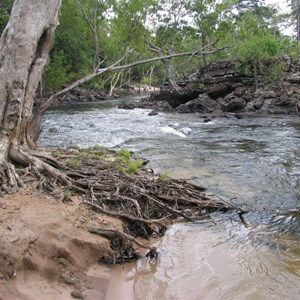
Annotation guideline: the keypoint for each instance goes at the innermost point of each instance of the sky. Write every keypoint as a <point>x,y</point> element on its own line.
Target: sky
<point>281,3</point>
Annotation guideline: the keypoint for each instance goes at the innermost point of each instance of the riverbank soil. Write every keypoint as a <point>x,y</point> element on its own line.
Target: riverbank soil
<point>50,247</point>
<point>46,251</point>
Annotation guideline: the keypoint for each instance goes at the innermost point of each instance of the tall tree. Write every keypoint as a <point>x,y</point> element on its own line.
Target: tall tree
<point>24,45</point>
<point>295,5</point>
<point>207,18</point>
<point>171,19</point>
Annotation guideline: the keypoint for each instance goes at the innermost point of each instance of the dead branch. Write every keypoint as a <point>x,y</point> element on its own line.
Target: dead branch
<point>126,216</point>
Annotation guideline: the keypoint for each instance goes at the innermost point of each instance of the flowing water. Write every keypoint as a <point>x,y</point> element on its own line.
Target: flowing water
<point>254,162</point>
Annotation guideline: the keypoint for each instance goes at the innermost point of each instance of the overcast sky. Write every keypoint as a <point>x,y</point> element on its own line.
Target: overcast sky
<point>281,3</point>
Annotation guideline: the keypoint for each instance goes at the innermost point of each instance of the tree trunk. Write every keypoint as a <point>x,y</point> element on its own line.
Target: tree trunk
<point>171,75</point>
<point>24,46</point>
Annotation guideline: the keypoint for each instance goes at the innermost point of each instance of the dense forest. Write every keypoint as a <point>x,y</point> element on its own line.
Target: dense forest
<point>73,195</point>
<point>96,33</point>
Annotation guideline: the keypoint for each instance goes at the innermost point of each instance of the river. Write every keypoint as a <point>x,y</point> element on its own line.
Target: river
<point>254,162</point>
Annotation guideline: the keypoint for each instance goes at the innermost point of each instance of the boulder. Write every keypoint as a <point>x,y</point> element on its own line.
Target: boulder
<point>232,103</point>
<point>202,104</point>
<point>125,105</point>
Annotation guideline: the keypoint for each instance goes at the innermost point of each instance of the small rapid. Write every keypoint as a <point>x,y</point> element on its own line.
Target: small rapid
<point>253,162</point>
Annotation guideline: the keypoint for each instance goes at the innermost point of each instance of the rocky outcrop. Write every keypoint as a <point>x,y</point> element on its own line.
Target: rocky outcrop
<point>85,95</point>
<point>202,104</point>
<point>223,87</point>
<point>172,97</point>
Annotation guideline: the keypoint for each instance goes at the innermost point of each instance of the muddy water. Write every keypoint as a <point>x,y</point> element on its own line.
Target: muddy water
<point>254,162</point>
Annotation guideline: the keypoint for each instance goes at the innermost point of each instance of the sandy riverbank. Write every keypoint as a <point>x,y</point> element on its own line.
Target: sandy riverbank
<point>46,251</point>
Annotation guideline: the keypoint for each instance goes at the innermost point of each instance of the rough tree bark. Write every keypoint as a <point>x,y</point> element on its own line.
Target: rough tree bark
<point>24,47</point>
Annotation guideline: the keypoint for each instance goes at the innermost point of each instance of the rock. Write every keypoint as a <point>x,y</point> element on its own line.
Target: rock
<point>206,120</point>
<point>218,90</point>
<point>256,104</point>
<point>202,104</point>
<point>239,116</point>
<point>159,106</point>
<point>232,103</point>
<point>126,106</point>
<point>77,294</point>
<point>294,78</point>
<point>174,98</point>
<point>153,113</point>
<point>223,87</point>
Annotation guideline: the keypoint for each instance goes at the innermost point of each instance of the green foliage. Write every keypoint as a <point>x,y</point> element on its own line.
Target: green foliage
<point>201,85</point>
<point>255,44</point>
<point>123,153</point>
<point>146,80</point>
<point>275,73</point>
<point>134,166</point>
<point>258,49</point>
<point>57,72</point>
<point>163,176</point>
<point>68,194</point>
<point>5,8</point>
<point>251,28</point>
<point>83,154</point>
<point>121,169</point>
<point>73,162</point>
<point>57,154</point>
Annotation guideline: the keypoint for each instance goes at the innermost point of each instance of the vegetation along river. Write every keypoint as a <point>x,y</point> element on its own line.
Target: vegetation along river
<point>252,161</point>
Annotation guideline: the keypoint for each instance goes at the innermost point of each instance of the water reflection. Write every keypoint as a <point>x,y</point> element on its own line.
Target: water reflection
<point>217,260</point>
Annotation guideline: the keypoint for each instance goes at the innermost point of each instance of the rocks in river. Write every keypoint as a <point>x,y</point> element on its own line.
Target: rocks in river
<point>202,104</point>
<point>153,113</point>
<point>173,98</point>
<point>158,106</point>
<point>232,103</point>
<point>125,105</point>
<point>85,95</point>
<point>222,87</point>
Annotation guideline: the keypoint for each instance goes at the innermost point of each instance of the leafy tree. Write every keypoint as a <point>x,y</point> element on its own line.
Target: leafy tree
<point>208,17</point>
<point>254,44</point>
<point>135,14</point>
<point>5,8</point>
<point>295,5</point>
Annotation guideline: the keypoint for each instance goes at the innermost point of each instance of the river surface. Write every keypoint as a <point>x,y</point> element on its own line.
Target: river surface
<point>253,162</point>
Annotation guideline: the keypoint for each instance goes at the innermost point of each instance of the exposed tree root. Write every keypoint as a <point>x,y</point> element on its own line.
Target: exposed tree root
<point>121,243</point>
<point>145,203</point>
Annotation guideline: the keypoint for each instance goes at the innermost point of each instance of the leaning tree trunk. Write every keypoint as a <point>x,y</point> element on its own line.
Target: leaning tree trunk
<point>171,75</point>
<point>24,47</point>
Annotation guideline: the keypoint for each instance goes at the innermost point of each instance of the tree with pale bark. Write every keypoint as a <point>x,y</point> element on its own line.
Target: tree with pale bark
<point>25,45</point>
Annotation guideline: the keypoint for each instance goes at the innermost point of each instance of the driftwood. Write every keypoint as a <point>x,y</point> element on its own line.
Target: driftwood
<point>146,203</point>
